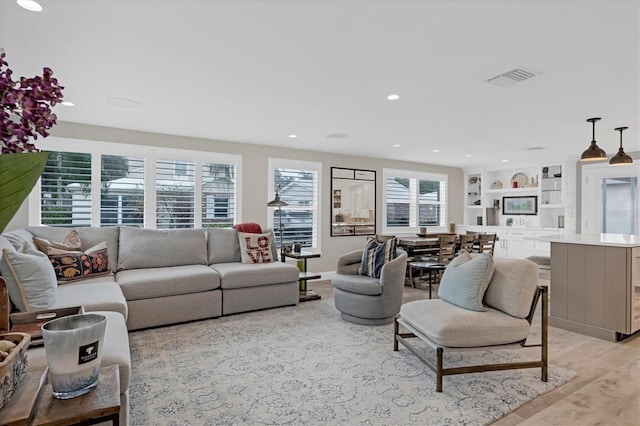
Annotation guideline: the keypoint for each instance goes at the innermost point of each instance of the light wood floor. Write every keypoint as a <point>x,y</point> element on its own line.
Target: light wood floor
<point>606,390</point>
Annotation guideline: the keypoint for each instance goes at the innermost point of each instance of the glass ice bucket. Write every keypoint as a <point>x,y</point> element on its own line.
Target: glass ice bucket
<point>74,346</point>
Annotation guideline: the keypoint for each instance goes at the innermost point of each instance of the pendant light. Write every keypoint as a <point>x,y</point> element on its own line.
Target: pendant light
<point>621,158</point>
<point>594,152</point>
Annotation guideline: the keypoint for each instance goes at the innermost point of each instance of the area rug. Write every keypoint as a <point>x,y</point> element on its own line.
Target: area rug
<point>303,365</point>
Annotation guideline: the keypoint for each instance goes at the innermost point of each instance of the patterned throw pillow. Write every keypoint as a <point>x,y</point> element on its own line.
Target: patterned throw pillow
<point>70,242</point>
<point>375,255</point>
<point>76,265</point>
<point>255,248</point>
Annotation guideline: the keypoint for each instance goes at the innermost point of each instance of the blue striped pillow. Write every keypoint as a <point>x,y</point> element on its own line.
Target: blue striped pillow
<point>375,255</point>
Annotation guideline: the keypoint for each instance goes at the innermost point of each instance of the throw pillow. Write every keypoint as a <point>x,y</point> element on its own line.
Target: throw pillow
<point>249,227</point>
<point>31,282</point>
<point>76,265</point>
<point>382,238</point>
<point>375,255</point>
<point>70,242</point>
<point>465,280</point>
<point>255,248</point>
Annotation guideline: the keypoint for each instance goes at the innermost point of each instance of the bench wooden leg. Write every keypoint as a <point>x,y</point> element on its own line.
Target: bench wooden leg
<point>396,327</point>
<point>439,371</point>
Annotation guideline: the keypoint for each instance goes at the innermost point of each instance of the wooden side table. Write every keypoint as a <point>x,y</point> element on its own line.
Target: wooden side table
<point>305,275</point>
<point>100,405</point>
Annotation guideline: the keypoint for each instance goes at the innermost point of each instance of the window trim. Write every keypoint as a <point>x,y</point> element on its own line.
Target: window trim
<point>414,204</point>
<point>150,155</point>
<point>316,166</point>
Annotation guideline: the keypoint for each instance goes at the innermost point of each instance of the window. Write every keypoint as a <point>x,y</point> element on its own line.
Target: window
<point>156,188</point>
<point>175,197</point>
<point>299,188</point>
<point>65,190</point>
<point>122,192</point>
<point>413,199</point>
<point>218,193</point>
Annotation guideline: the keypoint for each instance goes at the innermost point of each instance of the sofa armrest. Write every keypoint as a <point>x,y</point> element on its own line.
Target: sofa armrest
<point>393,273</point>
<point>349,263</point>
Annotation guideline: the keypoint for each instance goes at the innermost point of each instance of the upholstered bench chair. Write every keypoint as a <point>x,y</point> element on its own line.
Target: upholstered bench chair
<point>368,300</point>
<point>484,303</point>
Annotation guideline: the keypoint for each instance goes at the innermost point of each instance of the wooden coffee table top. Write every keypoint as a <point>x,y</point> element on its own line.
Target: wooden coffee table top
<point>101,404</point>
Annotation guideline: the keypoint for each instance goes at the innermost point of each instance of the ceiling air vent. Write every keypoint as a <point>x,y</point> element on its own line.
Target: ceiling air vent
<point>511,78</point>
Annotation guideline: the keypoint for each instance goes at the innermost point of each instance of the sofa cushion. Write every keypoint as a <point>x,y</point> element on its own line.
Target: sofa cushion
<point>452,326</point>
<point>255,248</point>
<point>156,248</point>
<point>170,281</point>
<point>72,265</point>
<point>513,286</point>
<point>465,280</point>
<point>89,237</point>
<point>239,275</point>
<point>358,284</point>
<point>31,281</point>
<point>222,245</point>
<point>99,294</point>
<point>71,242</point>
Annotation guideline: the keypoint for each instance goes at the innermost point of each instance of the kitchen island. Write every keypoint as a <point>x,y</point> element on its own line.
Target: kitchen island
<point>595,284</point>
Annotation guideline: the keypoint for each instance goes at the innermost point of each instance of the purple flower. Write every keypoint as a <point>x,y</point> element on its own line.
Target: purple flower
<point>26,108</point>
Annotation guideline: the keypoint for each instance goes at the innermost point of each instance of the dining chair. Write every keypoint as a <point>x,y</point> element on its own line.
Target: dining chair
<point>466,242</point>
<point>487,243</point>
<point>447,248</point>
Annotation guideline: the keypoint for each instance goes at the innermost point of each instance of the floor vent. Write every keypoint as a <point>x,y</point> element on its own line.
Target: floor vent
<point>511,78</point>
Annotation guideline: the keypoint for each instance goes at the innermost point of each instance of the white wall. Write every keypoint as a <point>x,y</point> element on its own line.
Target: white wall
<point>254,180</point>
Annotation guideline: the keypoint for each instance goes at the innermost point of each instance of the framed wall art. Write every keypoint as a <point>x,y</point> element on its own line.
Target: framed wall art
<point>520,205</point>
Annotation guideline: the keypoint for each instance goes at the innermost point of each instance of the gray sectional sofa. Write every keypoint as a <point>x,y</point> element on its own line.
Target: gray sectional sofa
<point>161,277</point>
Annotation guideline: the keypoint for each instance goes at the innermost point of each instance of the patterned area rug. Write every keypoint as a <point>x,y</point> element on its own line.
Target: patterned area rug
<point>305,365</point>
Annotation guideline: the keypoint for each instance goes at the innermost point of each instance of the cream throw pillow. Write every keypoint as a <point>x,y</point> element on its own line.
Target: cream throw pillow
<point>465,280</point>
<point>30,278</point>
<point>70,242</point>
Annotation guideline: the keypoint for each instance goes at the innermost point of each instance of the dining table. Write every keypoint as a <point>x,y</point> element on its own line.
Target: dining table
<point>419,245</point>
<point>427,244</point>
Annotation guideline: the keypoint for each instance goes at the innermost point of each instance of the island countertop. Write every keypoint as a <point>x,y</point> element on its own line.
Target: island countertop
<point>615,240</point>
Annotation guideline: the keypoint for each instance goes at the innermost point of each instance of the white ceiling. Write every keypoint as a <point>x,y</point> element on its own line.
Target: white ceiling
<point>256,71</point>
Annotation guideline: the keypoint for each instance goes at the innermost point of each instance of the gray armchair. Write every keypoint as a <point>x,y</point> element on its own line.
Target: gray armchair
<point>366,300</point>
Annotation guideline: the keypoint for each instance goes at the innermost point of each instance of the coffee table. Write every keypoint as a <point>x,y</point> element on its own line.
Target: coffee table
<point>100,405</point>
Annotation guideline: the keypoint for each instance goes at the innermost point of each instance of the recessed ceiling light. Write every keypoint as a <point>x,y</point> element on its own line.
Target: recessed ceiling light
<point>336,136</point>
<point>396,145</point>
<point>292,136</point>
<point>436,150</point>
<point>505,161</point>
<point>123,103</point>
<point>468,155</point>
<point>67,103</point>
<point>30,5</point>
<point>534,148</point>
<point>393,97</point>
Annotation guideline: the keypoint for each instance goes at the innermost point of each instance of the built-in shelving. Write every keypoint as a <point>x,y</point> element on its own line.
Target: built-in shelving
<point>484,192</point>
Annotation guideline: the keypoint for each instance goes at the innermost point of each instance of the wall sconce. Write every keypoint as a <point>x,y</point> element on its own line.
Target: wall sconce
<point>621,158</point>
<point>594,152</point>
